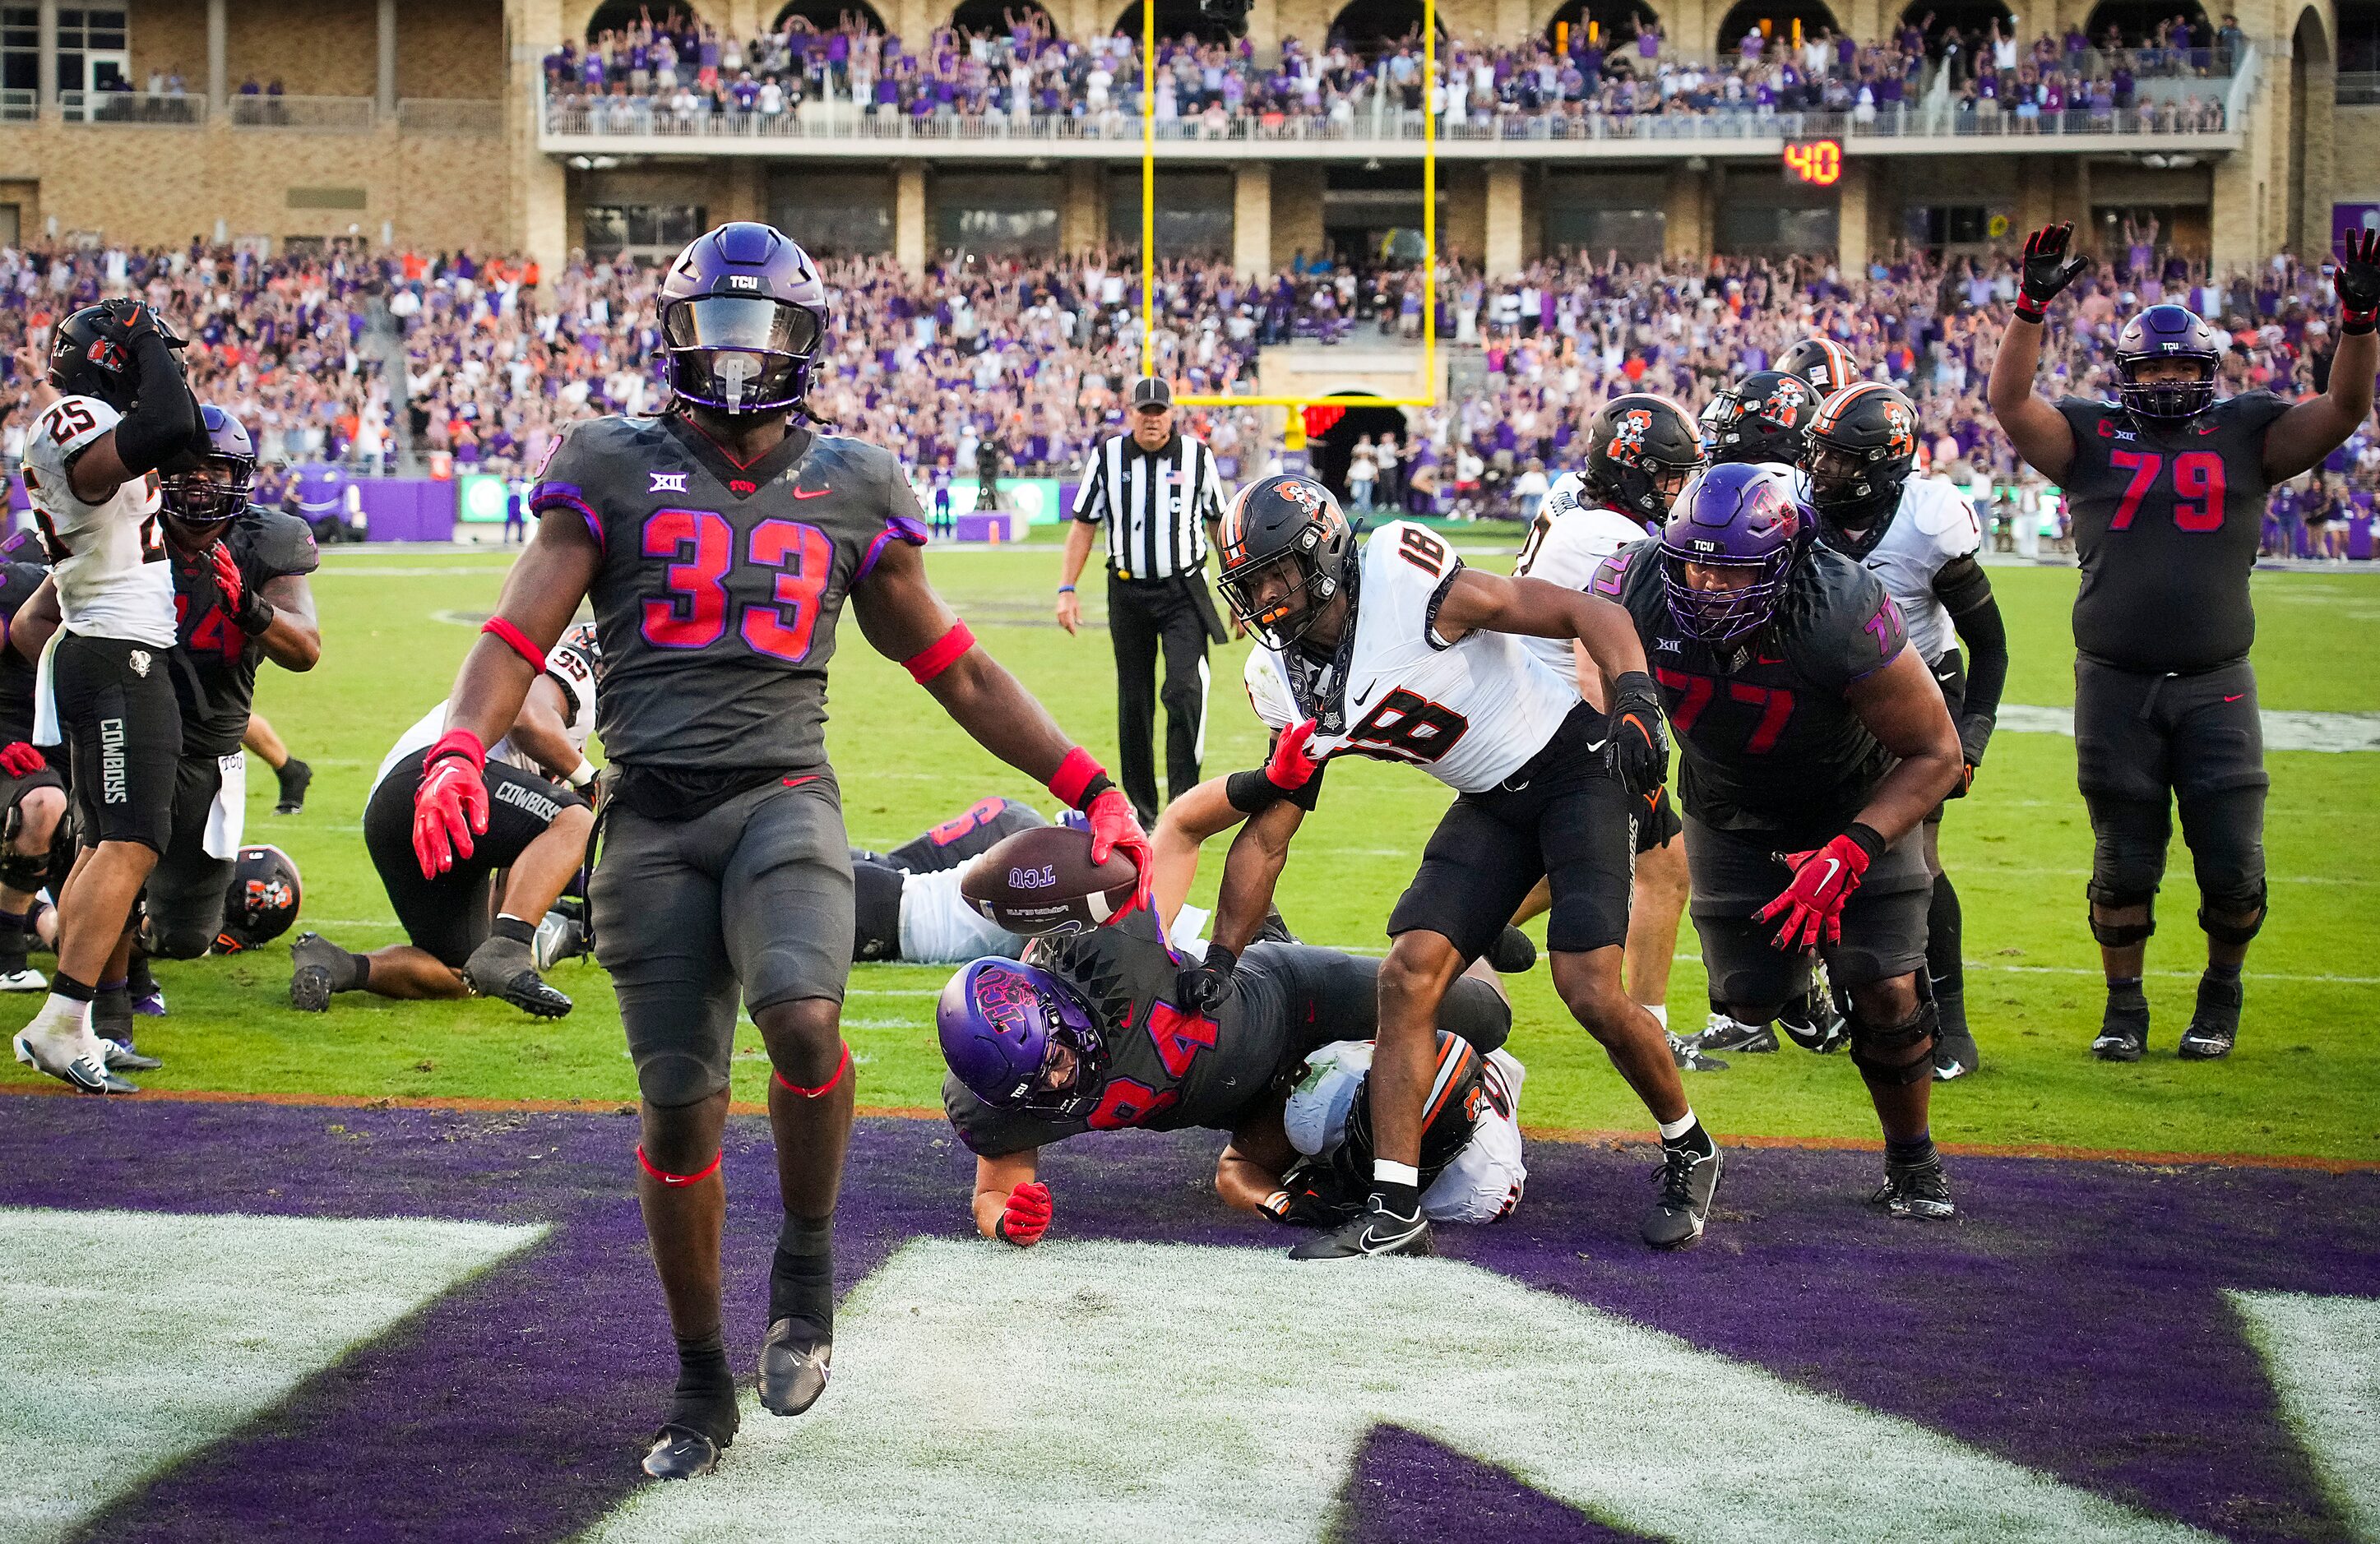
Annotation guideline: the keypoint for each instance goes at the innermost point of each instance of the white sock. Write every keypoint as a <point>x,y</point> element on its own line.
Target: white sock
<point>1395,1173</point>
<point>58,1011</point>
<point>1660,1012</point>
<point>1672,1129</point>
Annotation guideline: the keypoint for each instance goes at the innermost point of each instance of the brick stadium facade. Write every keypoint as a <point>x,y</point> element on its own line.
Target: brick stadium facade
<point>427,124</point>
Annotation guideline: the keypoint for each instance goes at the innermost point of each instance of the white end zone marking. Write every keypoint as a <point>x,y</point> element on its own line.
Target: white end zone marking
<point>1128,1391</point>
<point>2285,729</point>
<point>136,1338</point>
<point>2324,1355</point>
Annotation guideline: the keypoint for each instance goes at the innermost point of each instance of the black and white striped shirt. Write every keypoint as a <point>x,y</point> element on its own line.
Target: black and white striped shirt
<point>1155,506</point>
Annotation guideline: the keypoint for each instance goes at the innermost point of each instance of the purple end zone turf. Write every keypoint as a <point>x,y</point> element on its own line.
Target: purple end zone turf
<point>2071,1320</point>
<point>1408,1489</point>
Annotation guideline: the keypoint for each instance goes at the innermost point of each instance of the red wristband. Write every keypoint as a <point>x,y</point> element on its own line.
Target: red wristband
<point>675,1181</point>
<point>940,654</point>
<point>1073,774</point>
<point>840,1068</point>
<point>519,640</point>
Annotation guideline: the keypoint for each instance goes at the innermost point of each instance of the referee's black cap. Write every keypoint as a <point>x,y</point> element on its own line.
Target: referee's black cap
<point>1151,390</point>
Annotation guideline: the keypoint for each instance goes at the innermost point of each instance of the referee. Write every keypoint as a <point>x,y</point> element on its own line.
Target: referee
<point>1156,495</point>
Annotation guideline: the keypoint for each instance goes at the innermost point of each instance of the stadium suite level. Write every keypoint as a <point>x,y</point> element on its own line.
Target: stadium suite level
<point>411,124</point>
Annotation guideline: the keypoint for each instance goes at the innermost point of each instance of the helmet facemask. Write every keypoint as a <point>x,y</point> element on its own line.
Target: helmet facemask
<point>1279,617</point>
<point>203,501</point>
<point>740,353</point>
<point>2174,400</point>
<point>1856,494</point>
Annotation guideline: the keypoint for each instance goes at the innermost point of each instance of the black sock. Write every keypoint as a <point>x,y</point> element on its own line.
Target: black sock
<point>69,988</point>
<point>2228,974</point>
<point>1396,1198</point>
<point>1694,1139</point>
<point>801,1276</point>
<point>515,929</point>
<point>1900,1154</point>
<point>361,964</point>
<point>705,1396</point>
<point>137,978</point>
<point>2125,991</point>
<point>1944,925</point>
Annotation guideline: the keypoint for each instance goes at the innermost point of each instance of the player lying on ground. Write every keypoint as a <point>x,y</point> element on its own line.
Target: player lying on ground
<point>463,939</point>
<point>124,411</point>
<point>906,903</point>
<point>1088,1033</point>
<point>718,542</point>
<point>1407,655</point>
<point>2167,488</point>
<point>1919,536</point>
<point>1813,742</point>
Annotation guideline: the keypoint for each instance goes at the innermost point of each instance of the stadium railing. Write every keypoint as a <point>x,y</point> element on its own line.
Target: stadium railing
<point>2359,88</point>
<point>321,114</point>
<point>19,106</point>
<point>142,109</point>
<point>462,117</point>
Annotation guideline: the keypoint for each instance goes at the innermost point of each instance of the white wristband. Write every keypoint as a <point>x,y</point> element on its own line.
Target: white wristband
<point>582,775</point>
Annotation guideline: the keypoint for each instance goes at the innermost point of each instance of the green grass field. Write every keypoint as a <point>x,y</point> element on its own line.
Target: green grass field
<point>2305,1080</point>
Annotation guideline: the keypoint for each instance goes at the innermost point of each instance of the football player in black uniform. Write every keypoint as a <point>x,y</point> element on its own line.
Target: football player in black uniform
<point>1761,420</point>
<point>32,792</point>
<point>1088,1033</point>
<point>2167,488</point>
<point>1920,536</point>
<point>719,543</point>
<point>1813,742</point>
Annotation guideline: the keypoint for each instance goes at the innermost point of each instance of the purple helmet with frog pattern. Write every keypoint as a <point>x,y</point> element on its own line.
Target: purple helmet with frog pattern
<point>743,317</point>
<point>1002,1022</point>
<point>1738,517</point>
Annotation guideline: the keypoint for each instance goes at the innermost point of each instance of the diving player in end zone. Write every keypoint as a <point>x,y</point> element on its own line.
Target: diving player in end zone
<point>718,543</point>
<point>2167,488</point>
<point>1404,654</point>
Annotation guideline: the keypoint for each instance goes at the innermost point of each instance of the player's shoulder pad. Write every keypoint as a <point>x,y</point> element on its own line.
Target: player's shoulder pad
<point>63,428</point>
<point>887,508</point>
<point>1841,616</point>
<point>2084,412</point>
<point>575,673</point>
<point>1268,691</point>
<point>1406,555</point>
<point>1568,493</point>
<point>275,544</point>
<point>1943,516</point>
<point>2256,409</point>
<point>1627,572</point>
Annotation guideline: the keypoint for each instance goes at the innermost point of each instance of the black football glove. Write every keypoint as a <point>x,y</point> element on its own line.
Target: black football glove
<point>1309,1197</point>
<point>2048,269</point>
<point>1640,743</point>
<point>1205,985</point>
<point>2358,282</point>
<point>137,317</point>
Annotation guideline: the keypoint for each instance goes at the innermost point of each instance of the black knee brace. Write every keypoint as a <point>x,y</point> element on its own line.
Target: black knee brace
<point>1920,1030</point>
<point>2117,936</point>
<point>23,871</point>
<point>2233,933</point>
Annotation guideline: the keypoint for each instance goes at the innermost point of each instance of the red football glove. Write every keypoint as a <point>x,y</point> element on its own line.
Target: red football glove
<point>1291,767</point>
<point>20,760</point>
<point>1026,1217</point>
<point>1114,829</point>
<point>1824,879</point>
<point>253,614</point>
<point>451,805</point>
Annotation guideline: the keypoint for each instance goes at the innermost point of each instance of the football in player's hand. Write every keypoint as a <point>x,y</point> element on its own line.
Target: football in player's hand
<point>1042,881</point>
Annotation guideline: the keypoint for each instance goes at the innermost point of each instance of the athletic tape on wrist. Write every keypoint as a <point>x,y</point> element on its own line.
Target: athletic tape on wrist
<point>516,640</point>
<point>676,1181</point>
<point>818,1092</point>
<point>1074,778</point>
<point>940,654</point>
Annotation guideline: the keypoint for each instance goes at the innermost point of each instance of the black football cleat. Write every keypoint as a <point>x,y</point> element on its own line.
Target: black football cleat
<point>1378,1232</point>
<point>1514,952</point>
<point>2123,1032</point>
<point>793,1367</point>
<point>293,776</point>
<point>1687,1181</point>
<point>1725,1033</point>
<point>1920,1191</point>
<point>507,968</point>
<point>322,969</point>
<point>1690,1057</point>
<point>2215,1026</point>
<point>1955,1055</point>
<point>682,1453</point>
<point>122,1057</point>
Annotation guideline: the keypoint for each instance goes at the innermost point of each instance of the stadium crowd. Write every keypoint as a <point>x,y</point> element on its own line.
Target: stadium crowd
<point>1035,354</point>
<point>677,75</point>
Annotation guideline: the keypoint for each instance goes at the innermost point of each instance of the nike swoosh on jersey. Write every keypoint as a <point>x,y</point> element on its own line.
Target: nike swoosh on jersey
<point>812,492</point>
<point>1366,693</point>
<point>2235,696</point>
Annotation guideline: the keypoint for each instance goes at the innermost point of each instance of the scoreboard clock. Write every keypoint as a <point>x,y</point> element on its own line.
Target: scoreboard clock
<point>1818,163</point>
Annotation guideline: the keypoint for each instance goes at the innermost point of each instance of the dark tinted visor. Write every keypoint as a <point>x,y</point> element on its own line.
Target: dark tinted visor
<point>741,322</point>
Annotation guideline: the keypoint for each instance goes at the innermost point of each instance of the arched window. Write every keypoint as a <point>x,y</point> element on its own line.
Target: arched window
<point>1970,20</point>
<point>1776,20</point>
<point>1369,25</point>
<point>828,16</point>
<point>2134,23</point>
<point>984,18</point>
<point>618,16</point>
<point>1175,19</point>
<point>1616,23</point>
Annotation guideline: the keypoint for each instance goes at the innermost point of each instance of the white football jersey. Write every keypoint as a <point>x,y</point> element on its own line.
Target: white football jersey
<point>1470,714</point>
<point>572,671</point>
<point>1568,541</point>
<point>1481,1185</point>
<point>938,927</point>
<point>113,581</point>
<point>1934,525</point>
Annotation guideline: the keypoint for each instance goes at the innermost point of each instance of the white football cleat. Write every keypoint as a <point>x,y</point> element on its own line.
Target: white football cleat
<point>24,979</point>
<point>71,1054</point>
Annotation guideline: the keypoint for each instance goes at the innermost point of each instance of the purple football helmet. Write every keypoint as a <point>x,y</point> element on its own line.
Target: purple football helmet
<point>207,497</point>
<point>1735,516</point>
<point>742,317</point>
<point>1000,1021</point>
<point>2167,332</point>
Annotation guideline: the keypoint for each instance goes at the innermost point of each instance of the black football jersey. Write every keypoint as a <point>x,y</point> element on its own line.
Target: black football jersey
<point>2167,520</point>
<point>1766,740</point>
<point>1166,1069</point>
<point>17,583</point>
<point>214,664</point>
<point>720,584</point>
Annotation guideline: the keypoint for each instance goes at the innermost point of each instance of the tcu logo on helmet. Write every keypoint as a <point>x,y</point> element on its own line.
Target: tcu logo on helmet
<point>1628,436</point>
<point>742,280</point>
